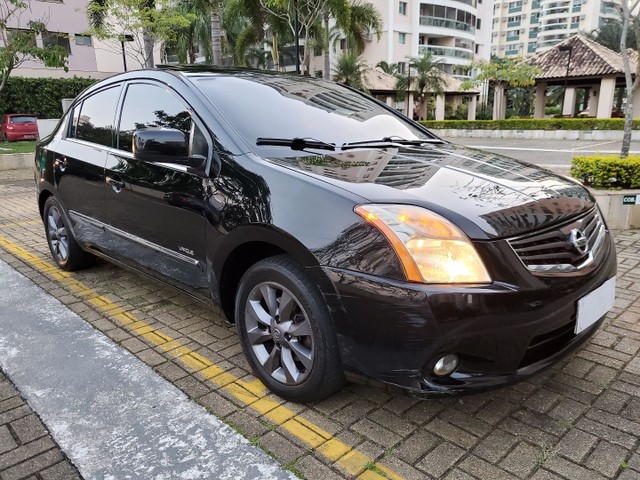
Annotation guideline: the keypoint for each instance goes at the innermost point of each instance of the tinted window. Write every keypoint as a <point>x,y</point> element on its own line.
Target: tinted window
<point>149,106</point>
<point>266,106</point>
<point>22,119</point>
<point>93,119</point>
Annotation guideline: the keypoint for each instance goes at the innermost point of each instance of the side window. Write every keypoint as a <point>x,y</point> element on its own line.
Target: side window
<point>151,106</point>
<point>93,119</point>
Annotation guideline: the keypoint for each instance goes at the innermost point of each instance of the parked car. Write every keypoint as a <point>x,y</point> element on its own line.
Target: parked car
<point>336,233</point>
<point>17,126</point>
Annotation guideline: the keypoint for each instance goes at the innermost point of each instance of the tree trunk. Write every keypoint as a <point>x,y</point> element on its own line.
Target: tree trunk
<point>147,39</point>
<point>275,52</point>
<point>327,53</point>
<point>306,58</point>
<point>215,36</point>
<point>628,91</point>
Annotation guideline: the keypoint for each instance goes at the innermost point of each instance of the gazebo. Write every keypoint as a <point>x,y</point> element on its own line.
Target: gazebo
<point>579,63</point>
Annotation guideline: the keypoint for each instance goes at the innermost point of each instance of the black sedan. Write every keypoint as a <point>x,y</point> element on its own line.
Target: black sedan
<point>336,233</point>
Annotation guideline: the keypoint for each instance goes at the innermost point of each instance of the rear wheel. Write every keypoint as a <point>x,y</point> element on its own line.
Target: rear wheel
<point>65,250</point>
<point>286,331</point>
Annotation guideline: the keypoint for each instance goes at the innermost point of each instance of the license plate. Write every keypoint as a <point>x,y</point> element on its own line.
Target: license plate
<point>594,305</point>
<point>29,136</point>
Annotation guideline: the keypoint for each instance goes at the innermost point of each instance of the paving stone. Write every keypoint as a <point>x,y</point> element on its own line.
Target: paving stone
<point>483,469</point>
<point>522,460</point>
<point>607,458</point>
<point>570,470</point>
<point>6,440</point>
<point>33,465</point>
<point>371,430</point>
<point>576,444</point>
<point>416,446</point>
<point>60,471</point>
<point>28,428</point>
<point>612,401</point>
<point>312,468</point>
<point>441,458</point>
<point>283,449</point>
<point>495,446</point>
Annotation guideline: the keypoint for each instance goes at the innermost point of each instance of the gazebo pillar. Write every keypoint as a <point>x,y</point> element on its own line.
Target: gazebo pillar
<point>440,107</point>
<point>569,103</point>
<point>473,103</point>
<point>499,102</point>
<point>605,97</point>
<point>541,93</point>
<point>636,105</point>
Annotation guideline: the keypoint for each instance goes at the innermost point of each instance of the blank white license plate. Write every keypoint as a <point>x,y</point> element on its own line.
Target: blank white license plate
<point>594,305</point>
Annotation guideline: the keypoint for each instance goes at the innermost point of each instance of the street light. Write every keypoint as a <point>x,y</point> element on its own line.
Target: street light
<point>125,38</point>
<point>297,28</point>
<point>565,48</point>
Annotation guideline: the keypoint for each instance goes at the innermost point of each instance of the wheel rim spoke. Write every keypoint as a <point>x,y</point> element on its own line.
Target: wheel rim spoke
<point>272,363</point>
<point>289,367</point>
<point>259,314</point>
<point>269,296</point>
<point>286,306</point>
<point>300,329</point>
<point>258,336</point>
<point>301,353</point>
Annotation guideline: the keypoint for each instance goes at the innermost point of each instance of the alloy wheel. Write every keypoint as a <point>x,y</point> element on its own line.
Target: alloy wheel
<point>279,333</point>
<point>57,232</point>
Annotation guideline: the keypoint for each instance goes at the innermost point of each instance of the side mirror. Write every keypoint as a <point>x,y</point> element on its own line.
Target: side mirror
<point>167,145</point>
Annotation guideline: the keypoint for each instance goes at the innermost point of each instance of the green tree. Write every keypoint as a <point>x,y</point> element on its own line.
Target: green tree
<point>151,22</point>
<point>426,77</point>
<point>390,68</point>
<point>196,34</point>
<point>609,35</point>
<point>502,73</point>
<point>350,70</point>
<point>20,45</point>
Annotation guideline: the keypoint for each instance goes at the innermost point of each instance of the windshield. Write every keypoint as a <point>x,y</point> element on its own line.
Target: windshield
<point>22,119</point>
<point>292,107</point>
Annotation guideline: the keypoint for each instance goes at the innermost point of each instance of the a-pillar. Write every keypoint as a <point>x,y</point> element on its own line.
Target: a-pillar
<point>473,103</point>
<point>499,102</point>
<point>569,103</point>
<point>541,93</point>
<point>605,97</point>
<point>440,107</point>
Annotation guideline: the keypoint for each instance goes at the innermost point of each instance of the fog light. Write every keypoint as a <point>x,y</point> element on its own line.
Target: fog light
<point>446,365</point>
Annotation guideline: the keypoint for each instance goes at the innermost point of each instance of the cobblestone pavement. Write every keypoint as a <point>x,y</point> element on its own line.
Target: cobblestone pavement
<point>26,448</point>
<point>578,420</point>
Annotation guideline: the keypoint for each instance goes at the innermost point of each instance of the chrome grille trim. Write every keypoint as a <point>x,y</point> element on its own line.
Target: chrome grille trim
<point>550,251</point>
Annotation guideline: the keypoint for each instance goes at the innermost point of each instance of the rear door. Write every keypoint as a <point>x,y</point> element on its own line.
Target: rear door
<point>79,162</point>
<point>156,210</point>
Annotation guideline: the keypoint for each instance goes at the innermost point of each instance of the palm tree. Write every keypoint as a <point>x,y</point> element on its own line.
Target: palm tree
<point>389,68</point>
<point>350,70</point>
<point>355,20</point>
<point>427,77</point>
<point>198,33</point>
<point>610,33</point>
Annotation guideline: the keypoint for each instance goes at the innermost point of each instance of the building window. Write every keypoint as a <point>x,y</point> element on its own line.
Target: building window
<point>402,68</point>
<point>515,6</point>
<point>53,39</point>
<point>402,8</point>
<point>83,40</point>
<point>478,23</point>
<point>513,35</point>
<point>513,21</point>
<point>402,38</point>
<point>343,44</point>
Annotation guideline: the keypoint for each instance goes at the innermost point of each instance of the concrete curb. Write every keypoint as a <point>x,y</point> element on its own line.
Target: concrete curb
<point>16,161</point>
<point>598,135</point>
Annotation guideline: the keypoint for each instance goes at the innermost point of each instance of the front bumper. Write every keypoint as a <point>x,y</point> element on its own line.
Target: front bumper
<point>504,332</point>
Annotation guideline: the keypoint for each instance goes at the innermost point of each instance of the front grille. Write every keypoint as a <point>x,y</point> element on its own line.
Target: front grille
<point>563,249</point>
<point>547,344</point>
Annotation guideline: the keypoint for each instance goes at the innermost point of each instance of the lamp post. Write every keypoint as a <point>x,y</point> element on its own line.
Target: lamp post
<point>565,48</point>
<point>125,38</point>
<point>297,29</point>
<point>409,92</point>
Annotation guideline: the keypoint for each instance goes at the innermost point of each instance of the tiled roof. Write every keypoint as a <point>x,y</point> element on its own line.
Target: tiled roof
<point>378,81</point>
<point>588,59</point>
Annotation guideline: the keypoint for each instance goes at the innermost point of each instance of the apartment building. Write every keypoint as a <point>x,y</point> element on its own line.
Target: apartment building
<point>454,31</point>
<point>525,27</point>
<point>68,25</point>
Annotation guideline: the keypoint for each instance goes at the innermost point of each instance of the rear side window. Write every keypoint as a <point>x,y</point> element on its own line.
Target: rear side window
<point>93,119</point>
<point>22,119</point>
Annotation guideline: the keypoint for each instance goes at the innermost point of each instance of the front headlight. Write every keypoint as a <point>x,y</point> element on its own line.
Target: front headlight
<point>430,248</point>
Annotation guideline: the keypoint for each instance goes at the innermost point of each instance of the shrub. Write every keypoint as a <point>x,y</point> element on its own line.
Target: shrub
<point>607,172</point>
<point>40,96</point>
<point>534,124</point>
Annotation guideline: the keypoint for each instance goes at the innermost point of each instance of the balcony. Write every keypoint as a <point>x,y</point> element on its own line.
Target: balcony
<point>445,23</point>
<point>552,26</point>
<point>439,51</point>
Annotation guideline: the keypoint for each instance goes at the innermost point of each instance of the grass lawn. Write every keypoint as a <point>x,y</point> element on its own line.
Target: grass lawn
<point>17,147</point>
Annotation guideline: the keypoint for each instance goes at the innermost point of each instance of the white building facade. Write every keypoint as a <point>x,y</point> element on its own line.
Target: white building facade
<point>525,27</point>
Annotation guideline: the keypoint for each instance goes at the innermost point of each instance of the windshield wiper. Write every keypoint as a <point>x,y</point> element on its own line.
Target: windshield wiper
<point>296,143</point>
<point>388,142</point>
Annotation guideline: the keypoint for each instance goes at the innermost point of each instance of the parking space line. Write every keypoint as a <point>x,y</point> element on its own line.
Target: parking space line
<point>252,394</point>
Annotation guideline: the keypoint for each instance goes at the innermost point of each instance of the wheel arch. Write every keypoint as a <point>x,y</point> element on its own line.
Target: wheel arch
<point>246,246</point>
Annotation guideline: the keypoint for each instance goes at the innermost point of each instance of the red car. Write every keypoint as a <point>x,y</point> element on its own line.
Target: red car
<point>17,126</point>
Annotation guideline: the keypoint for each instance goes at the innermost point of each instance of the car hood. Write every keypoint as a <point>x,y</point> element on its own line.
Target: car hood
<point>485,194</point>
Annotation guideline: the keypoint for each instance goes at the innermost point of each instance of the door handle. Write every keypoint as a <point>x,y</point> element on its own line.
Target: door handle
<point>115,183</point>
<point>62,164</point>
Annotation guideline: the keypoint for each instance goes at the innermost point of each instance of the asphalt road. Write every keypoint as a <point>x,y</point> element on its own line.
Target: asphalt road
<point>554,154</point>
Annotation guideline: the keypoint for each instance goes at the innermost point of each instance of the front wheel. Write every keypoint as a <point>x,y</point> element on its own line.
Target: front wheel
<point>65,250</point>
<point>286,331</point>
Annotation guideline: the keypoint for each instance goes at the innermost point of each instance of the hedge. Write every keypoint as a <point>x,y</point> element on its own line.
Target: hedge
<point>40,96</point>
<point>533,124</point>
<point>607,172</point>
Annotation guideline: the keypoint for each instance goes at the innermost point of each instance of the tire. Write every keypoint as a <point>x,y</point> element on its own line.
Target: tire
<point>64,249</point>
<point>293,350</point>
